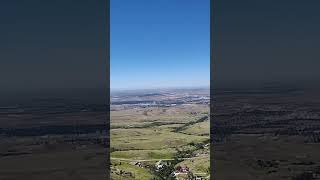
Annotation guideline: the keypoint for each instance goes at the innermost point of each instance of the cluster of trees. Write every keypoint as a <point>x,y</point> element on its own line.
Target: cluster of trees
<point>165,173</point>
<point>181,128</point>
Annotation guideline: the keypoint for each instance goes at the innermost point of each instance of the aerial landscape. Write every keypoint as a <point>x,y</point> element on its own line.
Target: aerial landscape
<point>53,95</point>
<point>159,82</point>
<point>267,132</point>
<point>265,120</point>
<point>60,136</point>
<point>160,134</point>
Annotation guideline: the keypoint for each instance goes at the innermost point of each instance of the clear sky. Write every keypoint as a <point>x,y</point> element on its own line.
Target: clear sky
<point>159,43</point>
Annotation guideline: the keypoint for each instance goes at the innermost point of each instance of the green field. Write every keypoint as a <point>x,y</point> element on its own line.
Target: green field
<point>138,173</point>
<point>151,134</point>
<point>150,138</point>
<point>197,165</point>
<point>145,154</point>
<point>200,129</point>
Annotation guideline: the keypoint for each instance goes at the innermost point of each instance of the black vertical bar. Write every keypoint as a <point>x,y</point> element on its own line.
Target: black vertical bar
<point>107,139</point>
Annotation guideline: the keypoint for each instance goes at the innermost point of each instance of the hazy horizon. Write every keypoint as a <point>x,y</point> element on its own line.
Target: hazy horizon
<point>160,88</point>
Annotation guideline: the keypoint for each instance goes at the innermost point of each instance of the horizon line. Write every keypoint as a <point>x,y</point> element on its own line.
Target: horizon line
<point>160,88</point>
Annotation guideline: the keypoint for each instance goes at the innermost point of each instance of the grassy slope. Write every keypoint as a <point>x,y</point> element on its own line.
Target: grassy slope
<point>139,173</point>
<point>146,139</point>
<point>145,154</point>
<point>156,141</point>
<point>197,165</point>
<point>200,129</point>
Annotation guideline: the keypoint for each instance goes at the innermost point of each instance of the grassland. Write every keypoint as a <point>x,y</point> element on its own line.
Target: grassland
<point>141,116</point>
<point>155,133</point>
<point>197,165</point>
<point>149,138</point>
<point>199,129</point>
<point>145,154</point>
<point>138,173</point>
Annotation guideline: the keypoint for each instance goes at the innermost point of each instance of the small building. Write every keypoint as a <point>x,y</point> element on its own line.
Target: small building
<point>182,169</point>
<point>160,164</point>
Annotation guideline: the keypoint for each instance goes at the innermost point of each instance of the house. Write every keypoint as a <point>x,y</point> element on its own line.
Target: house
<point>181,169</point>
<point>159,164</point>
<point>184,169</point>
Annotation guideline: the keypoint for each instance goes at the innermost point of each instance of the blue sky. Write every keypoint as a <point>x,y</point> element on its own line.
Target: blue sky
<point>159,43</point>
